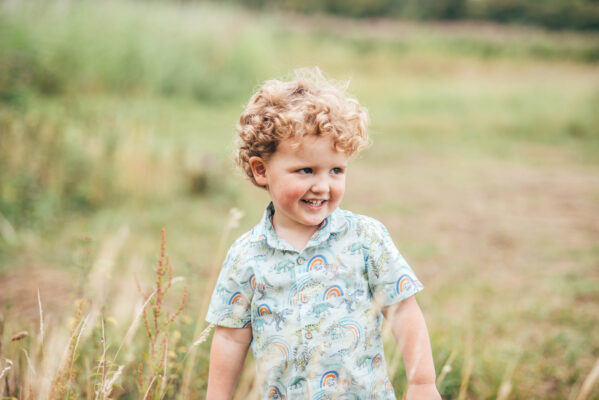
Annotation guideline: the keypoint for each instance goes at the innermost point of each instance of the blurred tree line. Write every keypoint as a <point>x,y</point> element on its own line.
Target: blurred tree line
<point>552,14</point>
<point>64,70</point>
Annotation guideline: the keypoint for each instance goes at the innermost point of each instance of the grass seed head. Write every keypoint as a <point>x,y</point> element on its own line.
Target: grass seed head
<point>19,336</point>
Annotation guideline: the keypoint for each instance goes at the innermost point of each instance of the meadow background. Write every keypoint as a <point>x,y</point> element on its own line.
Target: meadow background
<point>116,120</point>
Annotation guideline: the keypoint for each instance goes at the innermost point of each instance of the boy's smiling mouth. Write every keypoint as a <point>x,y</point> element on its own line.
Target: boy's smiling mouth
<point>315,203</point>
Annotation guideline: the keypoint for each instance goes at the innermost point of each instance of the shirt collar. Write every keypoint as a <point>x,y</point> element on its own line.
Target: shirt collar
<point>264,231</point>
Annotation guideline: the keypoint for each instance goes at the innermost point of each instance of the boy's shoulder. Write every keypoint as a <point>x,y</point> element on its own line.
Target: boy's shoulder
<point>362,221</point>
<point>252,240</point>
<point>248,240</point>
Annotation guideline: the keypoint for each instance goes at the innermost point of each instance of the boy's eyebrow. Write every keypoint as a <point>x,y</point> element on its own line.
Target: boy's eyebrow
<point>294,167</point>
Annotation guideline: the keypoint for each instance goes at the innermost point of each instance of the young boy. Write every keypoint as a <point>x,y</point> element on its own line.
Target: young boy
<point>306,287</point>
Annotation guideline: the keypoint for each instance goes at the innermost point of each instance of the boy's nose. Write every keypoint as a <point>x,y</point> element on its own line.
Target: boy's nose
<point>320,185</point>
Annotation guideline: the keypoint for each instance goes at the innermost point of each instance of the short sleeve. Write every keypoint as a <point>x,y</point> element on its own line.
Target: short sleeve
<point>389,276</point>
<point>230,305</point>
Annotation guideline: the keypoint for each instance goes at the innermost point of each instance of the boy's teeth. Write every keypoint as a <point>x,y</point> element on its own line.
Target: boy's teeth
<point>314,202</point>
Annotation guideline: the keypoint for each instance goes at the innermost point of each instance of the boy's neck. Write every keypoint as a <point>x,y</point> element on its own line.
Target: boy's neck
<point>298,238</point>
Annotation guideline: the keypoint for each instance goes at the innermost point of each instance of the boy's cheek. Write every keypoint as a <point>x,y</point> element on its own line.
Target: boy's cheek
<point>291,195</point>
<point>339,192</point>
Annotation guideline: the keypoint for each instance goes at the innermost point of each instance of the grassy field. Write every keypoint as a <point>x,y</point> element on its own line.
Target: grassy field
<point>116,120</point>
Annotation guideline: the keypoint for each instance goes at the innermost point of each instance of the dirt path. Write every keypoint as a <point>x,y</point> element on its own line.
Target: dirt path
<point>19,287</point>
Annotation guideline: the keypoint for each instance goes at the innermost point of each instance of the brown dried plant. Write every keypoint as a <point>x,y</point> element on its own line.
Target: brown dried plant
<point>61,384</point>
<point>202,333</point>
<point>153,380</point>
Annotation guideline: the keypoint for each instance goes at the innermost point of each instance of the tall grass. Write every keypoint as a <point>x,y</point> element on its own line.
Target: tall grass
<point>67,157</point>
<point>93,361</point>
<point>73,77</point>
<point>54,48</point>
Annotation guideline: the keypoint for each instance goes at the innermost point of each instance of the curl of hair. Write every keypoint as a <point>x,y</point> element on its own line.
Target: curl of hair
<point>290,110</point>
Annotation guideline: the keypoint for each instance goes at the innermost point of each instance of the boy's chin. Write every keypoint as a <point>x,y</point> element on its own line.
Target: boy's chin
<point>315,220</point>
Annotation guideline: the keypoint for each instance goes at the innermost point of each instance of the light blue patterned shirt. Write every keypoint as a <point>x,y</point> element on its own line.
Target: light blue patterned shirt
<point>314,317</point>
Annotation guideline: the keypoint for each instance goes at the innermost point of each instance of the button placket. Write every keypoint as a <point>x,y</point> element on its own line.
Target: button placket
<point>306,335</point>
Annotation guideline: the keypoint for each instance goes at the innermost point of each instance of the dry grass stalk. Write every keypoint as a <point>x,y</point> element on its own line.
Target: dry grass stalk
<point>468,364</point>
<point>62,379</point>
<point>101,369</point>
<point>19,336</point>
<point>39,303</point>
<point>446,369</point>
<point>235,216</point>
<point>81,330</point>
<point>29,363</point>
<point>506,387</point>
<point>110,383</point>
<point>4,381</point>
<point>72,371</point>
<point>204,335</point>
<point>589,383</point>
<point>148,392</point>
<point>7,368</point>
<point>133,325</point>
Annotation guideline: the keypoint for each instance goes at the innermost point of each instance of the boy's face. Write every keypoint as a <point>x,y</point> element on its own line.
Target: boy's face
<point>306,183</point>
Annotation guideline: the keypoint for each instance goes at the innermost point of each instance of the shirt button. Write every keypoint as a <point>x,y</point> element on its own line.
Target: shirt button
<point>300,261</point>
<point>308,335</point>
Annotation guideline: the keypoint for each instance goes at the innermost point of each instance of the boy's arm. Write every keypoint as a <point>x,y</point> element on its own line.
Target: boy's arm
<point>227,355</point>
<point>409,329</point>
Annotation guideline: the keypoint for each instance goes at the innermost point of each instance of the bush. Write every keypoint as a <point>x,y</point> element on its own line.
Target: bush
<point>556,14</point>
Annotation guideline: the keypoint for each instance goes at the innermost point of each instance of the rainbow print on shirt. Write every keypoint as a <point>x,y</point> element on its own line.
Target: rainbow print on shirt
<point>329,379</point>
<point>353,327</point>
<point>237,298</point>
<point>275,393</point>
<point>280,345</point>
<point>332,291</point>
<point>264,309</point>
<point>403,283</point>
<point>315,262</point>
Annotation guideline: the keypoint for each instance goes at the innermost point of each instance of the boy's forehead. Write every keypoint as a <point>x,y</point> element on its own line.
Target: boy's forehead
<point>311,149</point>
<point>308,142</point>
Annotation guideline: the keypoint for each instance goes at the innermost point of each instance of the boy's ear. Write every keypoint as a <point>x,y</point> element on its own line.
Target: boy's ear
<point>258,166</point>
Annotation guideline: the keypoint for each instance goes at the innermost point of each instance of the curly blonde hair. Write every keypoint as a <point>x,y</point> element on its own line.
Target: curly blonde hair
<point>289,110</point>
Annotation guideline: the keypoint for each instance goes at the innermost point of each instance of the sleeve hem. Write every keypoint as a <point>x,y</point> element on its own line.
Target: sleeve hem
<point>227,323</point>
<point>403,296</point>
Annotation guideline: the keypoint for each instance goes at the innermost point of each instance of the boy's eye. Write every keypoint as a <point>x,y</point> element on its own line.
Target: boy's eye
<point>337,171</point>
<point>305,171</point>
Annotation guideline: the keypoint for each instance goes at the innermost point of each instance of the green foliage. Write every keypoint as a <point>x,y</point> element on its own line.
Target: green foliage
<point>123,48</point>
<point>70,157</point>
<point>424,9</point>
<point>577,14</point>
<point>45,169</point>
<point>552,14</point>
